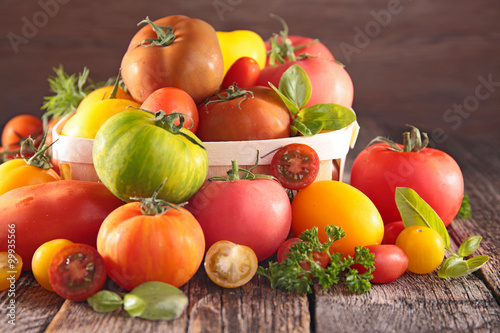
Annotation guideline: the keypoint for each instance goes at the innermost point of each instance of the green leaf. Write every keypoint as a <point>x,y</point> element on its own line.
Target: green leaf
<point>105,301</point>
<point>469,246</point>
<point>415,211</point>
<point>465,211</point>
<point>476,263</point>
<point>308,128</point>
<point>294,109</point>
<point>332,116</point>
<point>453,267</point>
<point>155,301</point>
<point>296,86</point>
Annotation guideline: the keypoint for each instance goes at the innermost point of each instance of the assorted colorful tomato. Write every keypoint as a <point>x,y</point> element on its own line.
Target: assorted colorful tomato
<point>40,263</point>
<point>391,261</point>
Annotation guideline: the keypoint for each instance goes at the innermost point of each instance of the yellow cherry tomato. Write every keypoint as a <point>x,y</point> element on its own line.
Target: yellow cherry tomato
<point>42,257</point>
<point>230,265</point>
<point>87,121</point>
<point>241,43</point>
<point>424,247</point>
<point>330,202</point>
<point>102,94</point>
<point>11,265</point>
<point>16,173</point>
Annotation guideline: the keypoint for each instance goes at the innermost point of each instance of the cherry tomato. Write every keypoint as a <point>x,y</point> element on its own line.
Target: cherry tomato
<point>171,99</point>
<point>77,272</point>
<point>11,265</point>
<point>424,247</point>
<point>42,257</point>
<point>230,265</point>
<point>321,258</point>
<point>18,172</point>
<point>392,231</point>
<point>19,128</point>
<point>390,263</point>
<point>168,247</point>
<point>329,202</point>
<point>244,72</point>
<point>295,166</point>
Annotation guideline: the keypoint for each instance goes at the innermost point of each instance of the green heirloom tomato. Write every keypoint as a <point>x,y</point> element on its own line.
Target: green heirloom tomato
<point>135,151</point>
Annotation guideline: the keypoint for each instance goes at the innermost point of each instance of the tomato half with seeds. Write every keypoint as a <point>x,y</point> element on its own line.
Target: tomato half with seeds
<point>230,265</point>
<point>11,265</point>
<point>77,272</point>
<point>295,166</point>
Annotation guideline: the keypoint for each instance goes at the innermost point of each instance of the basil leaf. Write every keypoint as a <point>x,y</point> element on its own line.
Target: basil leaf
<point>476,262</point>
<point>296,86</point>
<point>415,211</point>
<point>456,267</point>
<point>308,128</point>
<point>155,301</point>
<point>332,116</point>
<point>105,301</point>
<point>469,246</point>
<point>294,109</point>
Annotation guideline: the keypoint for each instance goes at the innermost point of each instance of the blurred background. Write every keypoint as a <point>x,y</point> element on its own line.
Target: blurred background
<point>433,64</point>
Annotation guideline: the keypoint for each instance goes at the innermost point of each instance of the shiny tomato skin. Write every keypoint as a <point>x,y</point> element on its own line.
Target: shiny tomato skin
<point>392,231</point>
<point>20,127</point>
<point>193,62</point>
<point>390,263</point>
<point>70,209</point>
<point>310,47</point>
<point>261,117</point>
<point>40,263</point>
<point>244,72</point>
<point>16,173</point>
<point>321,258</point>
<point>432,173</point>
<point>230,265</point>
<point>170,99</point>
<point>255,213</point>
<point>295,165</point>
<point>77,271</point>
<point>330,81</point>
<point>138,248</point>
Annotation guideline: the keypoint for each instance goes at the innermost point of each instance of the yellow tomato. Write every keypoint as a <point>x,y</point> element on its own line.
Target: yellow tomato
<point>41,260</point>
<point>16,173</point>
<point>88,120</point>
<point>11,265</point>
<point>332,202</point>
<point>102,94</point>
<point>424,247</point>
<point>241,43</point>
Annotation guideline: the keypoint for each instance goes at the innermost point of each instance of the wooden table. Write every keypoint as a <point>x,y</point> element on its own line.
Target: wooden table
<point>430,57</point>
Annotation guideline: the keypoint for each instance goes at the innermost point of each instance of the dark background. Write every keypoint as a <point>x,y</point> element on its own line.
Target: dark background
<point>411,61</point>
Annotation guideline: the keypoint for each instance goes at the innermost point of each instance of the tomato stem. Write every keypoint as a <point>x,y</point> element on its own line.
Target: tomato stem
<point>165,35</point>
<point>113,92</point>
<point>153,206</point>
<point>40,158</point>
<point>413,141</point>
<point>234,173</point>
<point>232,92</point>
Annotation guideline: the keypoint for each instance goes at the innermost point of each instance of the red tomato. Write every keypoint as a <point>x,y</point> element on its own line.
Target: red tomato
<point>330,81</point>
<point>295,166</point>
<point>243,71</point>
<point>432,173</point>
<point>171,99</point>
<point>321,258</point>
<point>69,209</point>
<point>255,213</point>
<point>262,116</point>
<point>303,45</point>
<point>392,231</point>
<point>390,263</point>
<point>19,128</point>
<point>77,272</point>
<point>138,248</point>
<point>191,61</point>
<point>230,265</point>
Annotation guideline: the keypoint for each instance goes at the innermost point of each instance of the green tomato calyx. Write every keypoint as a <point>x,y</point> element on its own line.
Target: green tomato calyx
<point>234,173</point>
<point>232,92</point>
<point>413,141</point>
<point>153,206</point>
<point>165,35</point>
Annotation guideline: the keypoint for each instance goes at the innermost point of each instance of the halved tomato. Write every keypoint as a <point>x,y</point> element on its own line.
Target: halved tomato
<point>77,272</point>
<point>295,165</point>
<point>230,265</point>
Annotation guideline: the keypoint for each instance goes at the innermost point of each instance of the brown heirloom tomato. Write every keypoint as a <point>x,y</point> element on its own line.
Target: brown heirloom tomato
<point>258,114</point>
<point>70,209</point>
<point>188,57</point>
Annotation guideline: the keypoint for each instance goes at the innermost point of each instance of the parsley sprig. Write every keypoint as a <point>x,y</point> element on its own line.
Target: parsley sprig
<point>290,275</point>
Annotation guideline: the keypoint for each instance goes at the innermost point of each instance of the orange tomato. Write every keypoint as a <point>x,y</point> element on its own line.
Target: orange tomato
<point>19,128</point>
<point>16,173</point>
<point>331,202</point>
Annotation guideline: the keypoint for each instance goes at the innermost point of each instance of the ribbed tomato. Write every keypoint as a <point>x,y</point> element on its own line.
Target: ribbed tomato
<point>135,151</point>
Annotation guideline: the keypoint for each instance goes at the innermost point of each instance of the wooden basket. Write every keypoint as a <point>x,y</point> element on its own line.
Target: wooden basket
<point>75,154</point>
